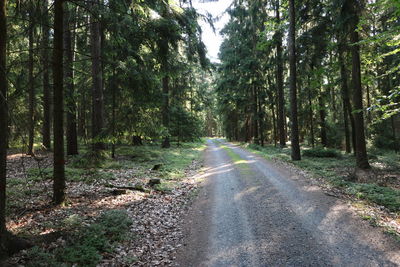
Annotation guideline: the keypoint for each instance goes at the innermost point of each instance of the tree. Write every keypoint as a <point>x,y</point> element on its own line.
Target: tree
<point>58,88</point>
<point>293,84</point>
<point>32,95</point>
<point>3,123</point>
<point>97,82</point>
<point>360,144</point>
<point>279,79</point>
<point>69,54</point>
<point>45,76</point>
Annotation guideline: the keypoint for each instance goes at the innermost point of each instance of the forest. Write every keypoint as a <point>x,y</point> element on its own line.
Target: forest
<point>105,101</point>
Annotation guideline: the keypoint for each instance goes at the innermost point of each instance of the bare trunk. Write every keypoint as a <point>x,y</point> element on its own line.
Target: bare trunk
<point>31,115</point>
<point>361,150</point>
<point>69,46</point>
<point>46,84</point>
<point>97,81</point>
<point>3,121</point>
<point>165,110</point>
<point>279,82</point>
<point>293,90</point>
<point>345,99</point>
<point>311,115</point>
<point>58,124</point>
<point>322,115</point>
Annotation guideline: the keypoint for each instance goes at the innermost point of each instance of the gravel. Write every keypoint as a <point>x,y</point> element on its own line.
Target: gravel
<point>269,215</point>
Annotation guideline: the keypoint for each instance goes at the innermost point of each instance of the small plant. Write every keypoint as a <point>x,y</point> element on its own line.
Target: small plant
<point>321,153</point>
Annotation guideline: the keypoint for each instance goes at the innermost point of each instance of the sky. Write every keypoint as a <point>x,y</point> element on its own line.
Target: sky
<point>213,40</point>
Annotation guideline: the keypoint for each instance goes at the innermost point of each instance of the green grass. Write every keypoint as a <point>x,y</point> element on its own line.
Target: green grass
<point>174,160</point>
<point>240,163</point>
<point>331,168</point>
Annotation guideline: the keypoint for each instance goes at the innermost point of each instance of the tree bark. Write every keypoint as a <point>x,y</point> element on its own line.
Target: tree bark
<point>69,47</point>
<point>3,121</point>
<point>165,110</point>
<point>345,98</point>
<point>293,90</point>
<point>322,116</point>
<point>279,82</point>
<point>311,114</point>
<point>361,150</point>
<point>31,115</point>
<point>97,83</point>
<point>58,124</point>
<point>46,84</point>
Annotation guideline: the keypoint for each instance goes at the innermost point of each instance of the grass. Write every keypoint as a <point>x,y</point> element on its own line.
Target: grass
<point>239,162</point>
<point>329,164</point>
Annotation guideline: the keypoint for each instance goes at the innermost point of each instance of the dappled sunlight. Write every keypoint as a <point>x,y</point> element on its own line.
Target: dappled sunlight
<point>246,192</point>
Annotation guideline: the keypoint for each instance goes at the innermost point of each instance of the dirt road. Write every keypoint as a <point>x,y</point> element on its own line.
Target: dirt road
<point>252,212</point>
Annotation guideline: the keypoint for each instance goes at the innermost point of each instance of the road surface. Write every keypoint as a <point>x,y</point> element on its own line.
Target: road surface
<point>252,212</point>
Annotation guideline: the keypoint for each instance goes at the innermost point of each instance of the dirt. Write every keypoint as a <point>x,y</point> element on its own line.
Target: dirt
<point>259,213</point>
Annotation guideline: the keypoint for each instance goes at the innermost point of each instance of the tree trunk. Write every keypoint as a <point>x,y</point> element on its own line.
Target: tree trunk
<point>97,81</point>
<point>322,116</point>
<point>58,124</point>
<point>165,110</point>
<point>345,98</point>
<point>255,115</point>
<point>311,114</point>
<point>293,90</point>
<point>46,84</point>
<point>31,115</point>
<point>3,123</point>
<point>69,47</point>
<point>279,82</point>
<point>361,150</point>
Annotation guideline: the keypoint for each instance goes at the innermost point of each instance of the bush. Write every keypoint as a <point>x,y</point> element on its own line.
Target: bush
<point>322,153</point>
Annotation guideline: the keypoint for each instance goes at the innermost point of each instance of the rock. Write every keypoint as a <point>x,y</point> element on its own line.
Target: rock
<point>156,167</point>
<point>117,192</point>
<point>154,181</point>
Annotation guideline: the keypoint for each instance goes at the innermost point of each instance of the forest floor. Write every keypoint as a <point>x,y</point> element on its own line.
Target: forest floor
<point>258,212</point>
<point>112,217</point>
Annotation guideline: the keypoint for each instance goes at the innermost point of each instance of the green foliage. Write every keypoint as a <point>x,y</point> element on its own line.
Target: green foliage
<point>321,152</point>
<point>90,159</point>
<point>384,196</point>
<point>185,125</point>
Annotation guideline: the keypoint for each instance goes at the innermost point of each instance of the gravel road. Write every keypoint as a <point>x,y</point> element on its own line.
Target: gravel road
<point>253,212</point>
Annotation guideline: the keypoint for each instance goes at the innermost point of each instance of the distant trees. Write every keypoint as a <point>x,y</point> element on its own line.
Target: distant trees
<point>341,48</point>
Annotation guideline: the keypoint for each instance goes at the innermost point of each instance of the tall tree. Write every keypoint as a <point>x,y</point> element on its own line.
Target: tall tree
<point>31,86</point>
<point>279,79</point>
<point>97,81</point>
<point>45,76</point>
<point>69,53</point>
<point>293,83</point>
<point>361,150</point>
<point>3,123</point>
<point>58,123</point>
